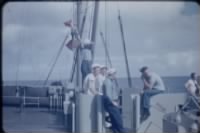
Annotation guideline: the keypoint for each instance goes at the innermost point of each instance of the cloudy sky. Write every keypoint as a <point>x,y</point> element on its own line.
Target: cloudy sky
<point>161,35</point>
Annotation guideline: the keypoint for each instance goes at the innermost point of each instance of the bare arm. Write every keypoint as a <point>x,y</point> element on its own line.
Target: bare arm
<point>147,84</point>
<point>92,87</point>
<point>189,89</point>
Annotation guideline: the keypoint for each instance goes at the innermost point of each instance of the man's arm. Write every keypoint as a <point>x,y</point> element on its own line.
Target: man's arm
<point>92,87</point>
<point>147,84</point>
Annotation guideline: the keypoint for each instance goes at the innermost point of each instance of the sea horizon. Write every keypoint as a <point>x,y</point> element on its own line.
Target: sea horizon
<point>172,83</point>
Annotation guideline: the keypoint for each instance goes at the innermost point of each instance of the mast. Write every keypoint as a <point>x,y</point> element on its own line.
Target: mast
<point>94,26</point>
<point>125,54</point>
<point>78,18</point>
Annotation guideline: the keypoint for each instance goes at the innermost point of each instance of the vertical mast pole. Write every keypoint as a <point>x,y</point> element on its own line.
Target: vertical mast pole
<point>78,52</point>
<point>125,54</point>
<point>94,27</point>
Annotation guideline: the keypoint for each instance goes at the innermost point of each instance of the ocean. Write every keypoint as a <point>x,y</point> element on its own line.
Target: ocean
<point>173,84</point>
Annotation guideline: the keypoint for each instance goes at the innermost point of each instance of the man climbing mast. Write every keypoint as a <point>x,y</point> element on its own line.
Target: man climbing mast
<point>86,55</point>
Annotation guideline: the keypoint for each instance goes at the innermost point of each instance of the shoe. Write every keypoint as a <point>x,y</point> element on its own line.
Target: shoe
<point>107,125</point>
<point>144,117</point>
<point>107,118</point>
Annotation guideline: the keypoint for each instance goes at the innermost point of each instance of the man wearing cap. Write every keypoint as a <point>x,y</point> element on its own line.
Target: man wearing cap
<point>86,55</point>
<point>153,85</point>
<point>90,80</point>
<point>110,102</point>
<point>101,77</point>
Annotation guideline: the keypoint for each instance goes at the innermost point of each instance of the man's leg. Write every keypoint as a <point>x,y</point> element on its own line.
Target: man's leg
<point>115,115</point>
<point>89,66</point>
<point>145,101</point>
<point>83,70</point>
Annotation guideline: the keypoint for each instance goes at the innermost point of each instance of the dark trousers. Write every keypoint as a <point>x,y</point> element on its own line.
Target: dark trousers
<point>114,114</point>
<point>192,102</point>
<point>145,100</point>
<point>85,68</point>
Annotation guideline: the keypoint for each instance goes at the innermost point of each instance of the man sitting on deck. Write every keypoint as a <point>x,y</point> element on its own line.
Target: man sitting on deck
<point>110,102</point>
<point>153,85</point>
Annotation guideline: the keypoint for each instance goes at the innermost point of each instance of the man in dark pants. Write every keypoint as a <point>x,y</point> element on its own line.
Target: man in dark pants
<point>153,85</point>
<point>110,101</point>
<point>86,55</point>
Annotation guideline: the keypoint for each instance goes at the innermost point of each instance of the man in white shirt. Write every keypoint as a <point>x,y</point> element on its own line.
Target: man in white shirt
<point>101,77</point>
<point>153,85</point>
<point>89,83</point>
<point>192,85</point>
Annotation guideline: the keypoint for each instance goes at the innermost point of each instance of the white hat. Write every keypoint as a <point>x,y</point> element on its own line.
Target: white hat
<point>95,65</point>
<point>112,71</point>
<point>103,66</point>
<point>87,42</point>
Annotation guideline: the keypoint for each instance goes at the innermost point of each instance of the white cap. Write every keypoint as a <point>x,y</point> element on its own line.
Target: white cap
<point>95,65</point>
<point>87,42</point>
<point>103,66</point>
<point>112,71</point>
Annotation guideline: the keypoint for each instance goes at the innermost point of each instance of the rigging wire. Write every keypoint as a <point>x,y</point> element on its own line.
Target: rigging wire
<point>57,56</point>
<point>83,20</point>
<point>73,12</point>
<point>91,21</point>
<point>124,49</point>
<point>105,26</point>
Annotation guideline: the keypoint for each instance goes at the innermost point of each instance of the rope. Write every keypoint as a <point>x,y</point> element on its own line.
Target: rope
<point>83,21</point>
<point>105,26</point>
<point>124,49</point>
<point>90,22</point>
<point>73,12</point>
<point>58,54</point>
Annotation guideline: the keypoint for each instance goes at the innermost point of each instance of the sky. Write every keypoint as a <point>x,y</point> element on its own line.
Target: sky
<point>161,35</point>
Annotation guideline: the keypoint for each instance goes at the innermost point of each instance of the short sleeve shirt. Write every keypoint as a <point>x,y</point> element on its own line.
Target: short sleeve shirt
<point>89,83</point>
<point>190,84</point>
<point>99,82</point>
<point>157,82</point>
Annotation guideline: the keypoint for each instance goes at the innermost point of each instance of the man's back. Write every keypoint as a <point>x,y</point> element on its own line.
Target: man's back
<point>158,83</point>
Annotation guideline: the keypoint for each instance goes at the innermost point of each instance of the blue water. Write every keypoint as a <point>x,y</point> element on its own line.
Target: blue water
<point>173,84</point>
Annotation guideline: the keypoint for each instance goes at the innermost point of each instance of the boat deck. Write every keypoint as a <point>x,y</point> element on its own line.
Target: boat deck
<point>32,120</point>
